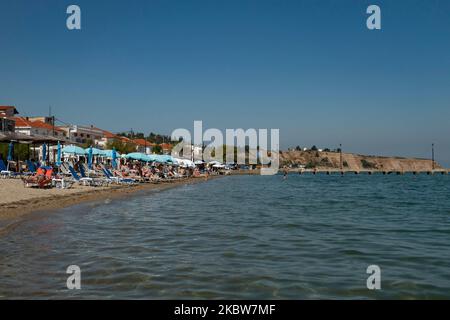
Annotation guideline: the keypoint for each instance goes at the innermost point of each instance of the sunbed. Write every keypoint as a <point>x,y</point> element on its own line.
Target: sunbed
<point>115,179</point>
<point>42,178</point>
<point>5,172</point>
<point>84,180</point>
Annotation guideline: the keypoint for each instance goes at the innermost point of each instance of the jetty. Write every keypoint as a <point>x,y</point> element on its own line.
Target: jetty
<point>369,172</point>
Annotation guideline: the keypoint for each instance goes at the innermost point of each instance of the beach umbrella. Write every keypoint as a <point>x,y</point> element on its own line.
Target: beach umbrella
<point>113,158</point>
<point>137,156</point>
<point>10,151</point>
<point>44,153</point>
<point>90,156</point>
<point>58,155</point>
<point>95,151</point>
<point>74,150</point>
<point>163,158</point>
<point>108,153</point>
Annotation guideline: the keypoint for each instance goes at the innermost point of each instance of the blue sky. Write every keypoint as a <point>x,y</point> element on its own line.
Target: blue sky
<point>310,68</point>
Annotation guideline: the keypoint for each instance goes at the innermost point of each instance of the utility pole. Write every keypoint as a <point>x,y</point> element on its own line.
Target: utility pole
<point>52,119</point>
<point>340,156</point>
<point>432,156</point>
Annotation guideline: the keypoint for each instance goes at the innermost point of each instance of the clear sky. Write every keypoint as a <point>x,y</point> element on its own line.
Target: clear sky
<point>310,68</point>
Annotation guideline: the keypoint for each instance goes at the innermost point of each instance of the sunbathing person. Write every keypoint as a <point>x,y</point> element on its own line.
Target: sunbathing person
<point>41,179</point>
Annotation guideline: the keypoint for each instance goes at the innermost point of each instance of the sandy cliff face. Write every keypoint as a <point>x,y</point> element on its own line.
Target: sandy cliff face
<point>331,160</point>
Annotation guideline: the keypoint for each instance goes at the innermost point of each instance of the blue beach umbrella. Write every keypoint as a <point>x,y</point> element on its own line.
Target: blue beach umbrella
<point>90,156</point>
<point>163,158</point>
<point>136,156</point>
<point>113,158</point>
<point>74,150</point>
<point>108,153</point>
<point>58,155</point>
<point>95,151</point>
<point>10,151</point>
<point>44,152</point>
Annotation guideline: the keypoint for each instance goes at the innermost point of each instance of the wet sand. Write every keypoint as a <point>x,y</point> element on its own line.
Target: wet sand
<point>17,201</point>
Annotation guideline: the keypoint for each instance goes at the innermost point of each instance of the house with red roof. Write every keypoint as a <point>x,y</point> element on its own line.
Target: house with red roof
<point>8,111</point>
<point>166,148</point>
<point>26,126</point>
<point>143,146</point>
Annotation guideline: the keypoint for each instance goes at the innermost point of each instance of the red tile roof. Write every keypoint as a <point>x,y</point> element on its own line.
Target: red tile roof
<point>107,134</point>
<point>22,122</point>
<point>6,108</point>
<point>166,146</point>
<point>142,142</point>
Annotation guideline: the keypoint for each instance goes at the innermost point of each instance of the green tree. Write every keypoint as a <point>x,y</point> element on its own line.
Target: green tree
<point>88,143</point>
<point>120,146</point>
<point>157,149</point>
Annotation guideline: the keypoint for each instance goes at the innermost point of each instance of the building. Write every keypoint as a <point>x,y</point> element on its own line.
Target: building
<point>8,111</point>
<point>143,146</point>
<point>7,125</point>
<point>166,148</point>
<point>25,126</point>
<point>48,120</point>
<point>83,134</point>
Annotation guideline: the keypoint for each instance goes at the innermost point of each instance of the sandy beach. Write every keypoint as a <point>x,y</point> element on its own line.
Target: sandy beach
<point>18,201</point>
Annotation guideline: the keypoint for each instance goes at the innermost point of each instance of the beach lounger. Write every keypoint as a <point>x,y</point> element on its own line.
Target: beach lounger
<point>42,178</point>
<point>64,168</point>
<point>115,179</point>
<point>133,178</point>
<point>31,167</point>
<point>85,168</point>
<point>77,178</point>
<point>5,172</point>
<point>84,180</point>
<point>62,183</point>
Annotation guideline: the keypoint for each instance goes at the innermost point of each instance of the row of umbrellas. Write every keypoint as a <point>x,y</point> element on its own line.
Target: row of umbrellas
<point>112,154</point>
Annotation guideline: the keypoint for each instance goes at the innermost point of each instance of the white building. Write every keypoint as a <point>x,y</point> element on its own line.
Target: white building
<point>83,134</point>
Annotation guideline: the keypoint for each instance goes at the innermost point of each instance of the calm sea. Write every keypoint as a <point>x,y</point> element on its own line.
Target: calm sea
<point>242,237</point>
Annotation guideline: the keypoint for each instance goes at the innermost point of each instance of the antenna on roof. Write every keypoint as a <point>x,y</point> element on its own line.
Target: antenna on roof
<point>52,119</point>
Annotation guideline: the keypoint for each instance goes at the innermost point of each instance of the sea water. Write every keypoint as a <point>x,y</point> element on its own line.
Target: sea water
<point>242,237</point>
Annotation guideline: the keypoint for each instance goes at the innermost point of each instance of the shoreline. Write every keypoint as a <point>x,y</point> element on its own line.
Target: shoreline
<point>12,210</point>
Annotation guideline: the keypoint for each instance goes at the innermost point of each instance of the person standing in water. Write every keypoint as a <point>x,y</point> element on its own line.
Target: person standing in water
<point>285,173</point>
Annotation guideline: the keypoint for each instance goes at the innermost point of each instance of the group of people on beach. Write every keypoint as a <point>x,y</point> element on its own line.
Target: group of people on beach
<point>42,175</point>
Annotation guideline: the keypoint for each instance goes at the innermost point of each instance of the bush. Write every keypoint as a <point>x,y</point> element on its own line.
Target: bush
<point>367,165</point>
<point>311,165</point>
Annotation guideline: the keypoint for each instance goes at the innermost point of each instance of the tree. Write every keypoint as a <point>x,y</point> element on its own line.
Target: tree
<point>88,143</point>
<point>157,149</point>
<point>314,148</point>
<point>120,146</point>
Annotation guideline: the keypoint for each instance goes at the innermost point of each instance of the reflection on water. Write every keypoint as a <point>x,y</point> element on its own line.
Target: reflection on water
<point>245,237</point>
